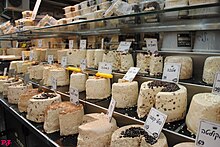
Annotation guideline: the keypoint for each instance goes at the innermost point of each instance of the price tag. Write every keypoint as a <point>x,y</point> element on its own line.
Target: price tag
<point>111,109</point>
<point>102,44</point>
<point>82,44</point>
<point>23,56</point>
<point>50,59</point>
<point>40,43</point>
<point>64,61</point>
<point>36,7</point>
<point>155,122</point>
<point>152,45</point>
<point>5,71</point>
<point>216,85</point>
<point>11,72</point>
<point>74,95</point>
<point>54,83</point>
<point>130,75</point>
<point>70,44</point>
<point>31,57</point>
<point>208,134</point>
<point>83,64</point>
<point>171,72</point>
<point>124,46</point>
<point>26,78</point>
<point>105,67</point>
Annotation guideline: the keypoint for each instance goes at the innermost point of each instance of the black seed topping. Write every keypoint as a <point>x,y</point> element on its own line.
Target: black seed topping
<point>168,87</point>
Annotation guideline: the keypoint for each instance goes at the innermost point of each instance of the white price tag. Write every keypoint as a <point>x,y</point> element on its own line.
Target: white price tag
<point>111,109</point>
<point>26,78</point>
<point>105,67</point>
<point>131,73</point>
<point>124,46</point>
<point>40,43</point>
<point>74,95</point>
<point>23,56</point>
<point>64,61</point>
<point>17,44</point>
<point>152,45</point>
<point>82,44</point>
<point>71,44</point>
<point>208,134</point>
<point>50,59</point>
<point>83,64</point>
<point>36,7</point>
<point>5,71</point>
<point>216,85</point>
<point>102,45</point>
<point>171,72</point>
<point>54,83</point>
<point>155,122</point>
<point>31,57</point>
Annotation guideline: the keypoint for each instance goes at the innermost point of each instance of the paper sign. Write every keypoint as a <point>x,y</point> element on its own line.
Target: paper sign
<point>124,46</point>
<point>82,44</point>
<point>208,134</point>
<point>36,7</point>
<point>26,78</point>
<point>40,43</point>
<point>216,85</point>
<point>105,67</point>
<point>111,109</point>
<point>31,57</point>
<point>50,59</point>
<point>54,83</point>
<point>74,95</point>
<point>64,61</point>
<point>5,71</point>
<point>102,44</point>
<point>11,72</point>
<point>171,72</point>
<point>151,45</point>
<point>83,64</point>
<point>23,56</point>
<point>155,122</point>
<point>70,44</point>
<point>131,73</point>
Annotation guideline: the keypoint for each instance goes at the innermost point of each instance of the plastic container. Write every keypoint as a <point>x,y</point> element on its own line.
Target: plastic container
<point>27,14</point>
<point>62,21</point>
<point>69,9</point>
<point>177,41</point>
<point>105,5</point>
<point>207,41</point>
<point>72,14</point>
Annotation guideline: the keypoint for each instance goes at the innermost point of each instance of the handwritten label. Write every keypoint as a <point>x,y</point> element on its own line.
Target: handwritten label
<point>71,44</point>
<point>216,85</point>
<point>111,109</point>
<point>11,72</point>
<point>64,61</point>
<point>131,73</point>
<point>40,43</point>
<point>36,7</point>
<point>50,59</point>
<point>105,67</point>
<point>208,134</point>
<point>171,72</point>
<point>124,46</point>
<point>82,44</point>
<point>155,122</point>
<point>83,64</point>
<point>5,71</point>
<point>74,95</point>
<point>151,45</point>
<point>26,78</point>
<point>31,57</point>
<point>54,83</point>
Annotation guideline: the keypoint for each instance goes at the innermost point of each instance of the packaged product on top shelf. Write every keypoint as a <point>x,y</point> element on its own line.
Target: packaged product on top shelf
<point>136,136</point>
<point>69,9</point>
<point>98,124</point>
<point>27,14</point>
<point>72,14</point>
<point>62,21</point>
<point>203,106</point>
<point>105,5</point>
<point>169,98</point>
<point>78,81</point>
<point>47,20</point>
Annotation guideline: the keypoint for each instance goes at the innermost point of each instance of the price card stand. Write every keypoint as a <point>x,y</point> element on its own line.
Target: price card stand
<point>124,46</point>
<point>71,44</point>
<point>82,44</point>
<point>216,85</point>
<point>208,134</point>
<point>5,71</point>
<point>105,67</point>
<point>83,64</point>
<point>171,72</point>
<point>155,122</point>
<point>31,57</point>
<point>151,45</point>
<point>131,74</point>
<point>50,59</point>
<point>64,61</point>
<point>54,84</point>
<point>40,43</point>
<point>111,109</point>
<point>74,95</point>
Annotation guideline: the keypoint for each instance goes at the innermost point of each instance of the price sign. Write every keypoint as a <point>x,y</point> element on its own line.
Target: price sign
<point>36,7</point>
<point>124,46</point>
<point>64,61</point>
<point>83,64</point>
<point>74,95</point>
<point>50,59</point>
<point>82,44</point>
<point>102,44</point>
<point>31,57</point>
<point>105,67</point>
<point>26,78</point>
<point>23,56</point>
<point>40,43</point>
<point>155,122</point>
<point>171,72</point>
<point>152,45</point>
<point>111,109</point>
<point>54,83</point>
<point>71,44</point>
<point>5,71</point>
<point>216,85</point>
<point>208,134</point>
<point>11,72</point>
<point>130,75</point>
